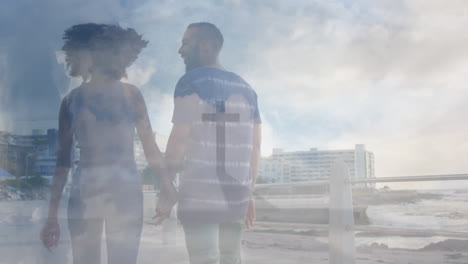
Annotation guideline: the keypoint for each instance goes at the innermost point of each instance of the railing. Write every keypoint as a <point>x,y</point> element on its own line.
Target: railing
<point>341,226</point>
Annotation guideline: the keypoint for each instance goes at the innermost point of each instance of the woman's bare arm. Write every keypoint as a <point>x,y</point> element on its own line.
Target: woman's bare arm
<point>65,141</point>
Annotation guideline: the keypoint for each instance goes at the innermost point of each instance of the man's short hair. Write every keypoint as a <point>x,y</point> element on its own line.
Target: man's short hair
<point>208,31</point>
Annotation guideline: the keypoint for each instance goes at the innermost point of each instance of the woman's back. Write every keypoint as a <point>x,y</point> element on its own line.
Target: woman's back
<point>103,121</point>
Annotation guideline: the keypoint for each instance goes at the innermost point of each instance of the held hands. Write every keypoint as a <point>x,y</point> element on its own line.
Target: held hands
<point>167,199</point>
<point>250,217</point>
<point>50,233</point>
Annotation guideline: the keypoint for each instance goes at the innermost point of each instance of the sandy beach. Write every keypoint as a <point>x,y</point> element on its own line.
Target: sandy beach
<point>289,249</point>
<point>267,242</point>
<point>258,247</point>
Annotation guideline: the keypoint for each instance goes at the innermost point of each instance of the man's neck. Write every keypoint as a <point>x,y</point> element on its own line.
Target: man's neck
<point>215,65</point>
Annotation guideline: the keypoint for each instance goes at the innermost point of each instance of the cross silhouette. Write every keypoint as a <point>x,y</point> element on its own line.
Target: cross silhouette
<point>221,118</point>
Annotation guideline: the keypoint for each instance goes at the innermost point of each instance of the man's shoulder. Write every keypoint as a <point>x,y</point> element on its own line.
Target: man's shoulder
<point>202,73</point>
<point>188,82</point>
<point>207,82</point>
<point>212,75</point>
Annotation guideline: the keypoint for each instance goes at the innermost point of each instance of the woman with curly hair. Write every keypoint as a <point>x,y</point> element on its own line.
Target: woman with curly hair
<point>102,115</point>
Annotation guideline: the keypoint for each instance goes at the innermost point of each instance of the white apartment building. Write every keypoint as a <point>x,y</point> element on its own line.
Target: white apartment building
<point>297,166</point>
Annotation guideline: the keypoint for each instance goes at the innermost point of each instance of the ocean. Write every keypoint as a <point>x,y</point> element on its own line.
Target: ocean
<point>449,214</point>
<point>21,221</point>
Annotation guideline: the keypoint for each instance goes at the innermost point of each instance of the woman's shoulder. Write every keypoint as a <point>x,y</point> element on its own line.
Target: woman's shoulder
<point>73,94</point>
<point>130,89</point>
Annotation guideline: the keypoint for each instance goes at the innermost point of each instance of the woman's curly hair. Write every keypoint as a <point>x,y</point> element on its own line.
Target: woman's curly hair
<point>80,36</point>
<point>113,48</point>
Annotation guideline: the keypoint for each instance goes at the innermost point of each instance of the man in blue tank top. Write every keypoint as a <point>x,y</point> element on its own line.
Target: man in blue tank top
<point>215,146</point>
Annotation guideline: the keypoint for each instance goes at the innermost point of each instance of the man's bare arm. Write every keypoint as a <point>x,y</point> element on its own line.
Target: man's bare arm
<point>256,150</point>
<point>177,147</point>
<point>168,193</point>
<point>254,164</point>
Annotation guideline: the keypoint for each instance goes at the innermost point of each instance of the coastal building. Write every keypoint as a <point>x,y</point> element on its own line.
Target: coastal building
<point>13,154</point>
<point>36,154</point>
<point>5,175</point>
<point>45,152</point>
<point>314,164</point>
<point>27,155</point>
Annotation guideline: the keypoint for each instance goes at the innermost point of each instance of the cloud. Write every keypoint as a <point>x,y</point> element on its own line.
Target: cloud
<point>160,106</point>
<point>351,77</point>
<point>32,91</point>
<point>140,74</point>
<point>334,74</point>
<point>329,74</point>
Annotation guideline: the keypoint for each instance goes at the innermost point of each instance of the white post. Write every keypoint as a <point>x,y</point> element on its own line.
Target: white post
<point>341,219</point>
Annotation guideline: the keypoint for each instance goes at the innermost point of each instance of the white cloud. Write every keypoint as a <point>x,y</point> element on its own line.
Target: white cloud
<point>389,74</point>
<point>391,77</point>
<point>140,74</point>
<point>160,106</point>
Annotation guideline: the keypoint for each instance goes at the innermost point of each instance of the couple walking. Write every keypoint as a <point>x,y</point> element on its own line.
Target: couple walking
<point>214,146</point>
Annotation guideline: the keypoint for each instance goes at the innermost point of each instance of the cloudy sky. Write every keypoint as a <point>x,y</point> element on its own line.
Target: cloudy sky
<point>329,74</point>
